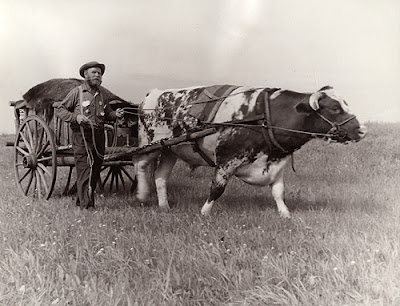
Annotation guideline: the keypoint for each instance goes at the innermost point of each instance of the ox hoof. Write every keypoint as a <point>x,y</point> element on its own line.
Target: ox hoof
<point>164,208</point>
<point>205,213</point>
<point>141,198</point>
<point>284,214</point>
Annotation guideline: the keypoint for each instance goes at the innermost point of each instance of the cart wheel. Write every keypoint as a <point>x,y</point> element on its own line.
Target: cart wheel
<point>35,159</point>
<point>117,175</point>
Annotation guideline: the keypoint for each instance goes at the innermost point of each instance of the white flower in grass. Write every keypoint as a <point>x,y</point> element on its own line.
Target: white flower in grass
<point>335,269</point>
<point>100,251</point>
<point>352,262</point>
<point>22,289</point>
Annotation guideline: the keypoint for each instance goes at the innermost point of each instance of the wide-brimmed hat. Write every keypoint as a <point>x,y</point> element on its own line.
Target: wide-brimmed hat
<point>91,65</point>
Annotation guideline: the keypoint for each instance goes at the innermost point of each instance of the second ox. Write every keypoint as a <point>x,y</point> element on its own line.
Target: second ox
<point>256,131</point>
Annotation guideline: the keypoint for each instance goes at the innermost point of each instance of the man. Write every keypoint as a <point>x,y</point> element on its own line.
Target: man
<point>86,108</point>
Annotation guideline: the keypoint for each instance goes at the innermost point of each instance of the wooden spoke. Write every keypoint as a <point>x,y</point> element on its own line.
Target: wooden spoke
<point>116,178</point>
<point>29,134</point>
<point>43,149</point>
<point>27,144</point>
<point>44,159</point>
<point>22,151</point>
<point>39,185</point>
<point>66,189</point>
<point>39,142</point>
<point>128,175</point>
<point>112,180</point>
<point>107,176</point>
<point>122,179</point>
<point>42,177</point>
<point>45,170</point>
<point>24,176</point>
<point>29,183</point>
<point>34,183</point>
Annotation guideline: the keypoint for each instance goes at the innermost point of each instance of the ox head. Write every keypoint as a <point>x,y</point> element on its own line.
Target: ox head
<point>333,116</point>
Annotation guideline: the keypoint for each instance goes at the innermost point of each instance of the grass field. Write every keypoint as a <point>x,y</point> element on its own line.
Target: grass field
<point>341,247</point>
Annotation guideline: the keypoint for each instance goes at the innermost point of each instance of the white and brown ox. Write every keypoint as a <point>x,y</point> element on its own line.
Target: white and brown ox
<point>257,129</point>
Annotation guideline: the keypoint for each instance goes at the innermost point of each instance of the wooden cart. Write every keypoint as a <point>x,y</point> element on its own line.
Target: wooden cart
<point>43,143</point>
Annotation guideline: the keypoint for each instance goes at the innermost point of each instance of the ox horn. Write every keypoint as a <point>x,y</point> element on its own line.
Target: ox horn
<point>314,98</point>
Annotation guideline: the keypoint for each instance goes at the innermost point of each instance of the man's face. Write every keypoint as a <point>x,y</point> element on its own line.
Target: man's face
<point>93,76</point>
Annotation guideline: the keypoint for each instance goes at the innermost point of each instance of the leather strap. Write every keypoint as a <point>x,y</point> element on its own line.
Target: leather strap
<point>197,149</point>
<point>267,123</point>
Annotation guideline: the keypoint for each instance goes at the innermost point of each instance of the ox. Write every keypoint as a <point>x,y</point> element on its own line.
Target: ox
<point>256,131</point>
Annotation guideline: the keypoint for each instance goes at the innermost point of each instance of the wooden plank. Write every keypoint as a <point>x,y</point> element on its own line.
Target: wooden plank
<point>159,145</point>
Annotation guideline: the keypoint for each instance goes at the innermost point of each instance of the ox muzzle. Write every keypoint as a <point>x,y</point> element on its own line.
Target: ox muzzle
<point>338,133</point>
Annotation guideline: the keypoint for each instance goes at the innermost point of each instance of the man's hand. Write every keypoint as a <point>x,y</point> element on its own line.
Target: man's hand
<point>81,119</point>
<point>119,112</point>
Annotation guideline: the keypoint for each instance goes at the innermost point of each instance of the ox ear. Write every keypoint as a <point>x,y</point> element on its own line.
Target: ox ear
<point>314,99</point>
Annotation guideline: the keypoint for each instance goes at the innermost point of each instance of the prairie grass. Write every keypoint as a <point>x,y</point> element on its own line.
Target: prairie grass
<point>341,247</point>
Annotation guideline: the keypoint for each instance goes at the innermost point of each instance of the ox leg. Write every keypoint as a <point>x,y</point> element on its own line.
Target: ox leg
<point>144,168</point>
<point>278,190</point>
<point>161,175</point>
<point>218,184</point>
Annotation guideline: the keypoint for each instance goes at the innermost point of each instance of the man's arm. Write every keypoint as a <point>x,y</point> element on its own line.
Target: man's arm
<point>65,110</point>
<point>113,115</point>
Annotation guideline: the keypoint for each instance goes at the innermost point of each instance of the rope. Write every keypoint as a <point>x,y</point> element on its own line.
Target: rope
<point>227,124</point>
<point>90,161</point>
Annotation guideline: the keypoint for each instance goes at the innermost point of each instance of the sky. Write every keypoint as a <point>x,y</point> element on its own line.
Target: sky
<point>301,45</point>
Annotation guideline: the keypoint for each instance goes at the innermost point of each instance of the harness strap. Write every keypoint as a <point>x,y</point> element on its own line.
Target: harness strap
<point>210,110</point>
<point>197,149</point>
<point>267,123</point>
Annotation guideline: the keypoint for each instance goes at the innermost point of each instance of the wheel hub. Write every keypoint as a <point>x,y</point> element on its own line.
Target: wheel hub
<point>30,161</point>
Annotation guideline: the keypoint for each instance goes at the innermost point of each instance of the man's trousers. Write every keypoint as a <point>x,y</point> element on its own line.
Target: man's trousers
<point>88,162</point>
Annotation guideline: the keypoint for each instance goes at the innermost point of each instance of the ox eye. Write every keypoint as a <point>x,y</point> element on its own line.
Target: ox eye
<point>336,109</point>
